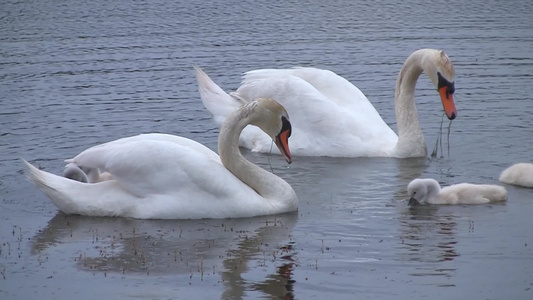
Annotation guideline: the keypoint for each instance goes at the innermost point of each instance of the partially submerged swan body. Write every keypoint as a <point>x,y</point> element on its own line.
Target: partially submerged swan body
<point>160,176</point>
<point>520,174</point>
<point>331,116</point>
<point>428,190</point>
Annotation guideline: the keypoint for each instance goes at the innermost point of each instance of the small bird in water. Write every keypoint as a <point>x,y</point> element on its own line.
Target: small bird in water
<point>428,190</point>
<point>518,174</point>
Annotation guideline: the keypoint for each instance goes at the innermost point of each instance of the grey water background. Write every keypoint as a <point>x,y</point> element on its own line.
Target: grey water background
<point>77,73</point>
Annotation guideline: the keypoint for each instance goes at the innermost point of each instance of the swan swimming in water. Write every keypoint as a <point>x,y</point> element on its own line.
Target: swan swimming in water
<point>518,174</point>
<point>160,176</point>
<point>428,190</point>
<point>332,117</point>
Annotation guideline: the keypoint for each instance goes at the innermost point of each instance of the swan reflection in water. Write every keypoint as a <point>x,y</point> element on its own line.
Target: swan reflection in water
<point>427,234</point>
<point>194,250</point>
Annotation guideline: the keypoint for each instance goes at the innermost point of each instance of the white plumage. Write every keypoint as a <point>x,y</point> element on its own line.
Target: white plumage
<point>428,190</point>
<point>331,116</point>
<point>170,177</point>
<point>518,174</point>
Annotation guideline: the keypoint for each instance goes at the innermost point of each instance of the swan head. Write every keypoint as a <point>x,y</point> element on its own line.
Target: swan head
<point>74,172</point>
<point>420,190</point>
<point>273,119</point>
<point>439,68</point>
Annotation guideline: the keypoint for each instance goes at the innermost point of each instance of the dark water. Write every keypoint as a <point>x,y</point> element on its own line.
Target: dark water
<point>77,73</point>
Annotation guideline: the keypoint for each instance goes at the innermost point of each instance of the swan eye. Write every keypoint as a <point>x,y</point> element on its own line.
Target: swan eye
<point>286,125</point>
<point>443,82</point>
<point>450,89</point>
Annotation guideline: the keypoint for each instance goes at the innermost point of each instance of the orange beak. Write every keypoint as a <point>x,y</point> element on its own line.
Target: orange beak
<point>282,141</point>
<point>447,103</point>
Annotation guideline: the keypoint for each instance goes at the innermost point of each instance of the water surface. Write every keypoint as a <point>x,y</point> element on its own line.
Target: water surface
<point>77,73</point>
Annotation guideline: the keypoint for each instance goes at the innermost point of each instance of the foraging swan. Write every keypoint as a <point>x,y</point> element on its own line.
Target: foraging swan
<point>159,176</point>
<point>429,191</point>
<point>518,174</point>
<point>332,117</point>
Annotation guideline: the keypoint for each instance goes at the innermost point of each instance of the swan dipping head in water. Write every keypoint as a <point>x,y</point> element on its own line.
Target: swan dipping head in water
<point>330,115</point>
<point>428,190</point>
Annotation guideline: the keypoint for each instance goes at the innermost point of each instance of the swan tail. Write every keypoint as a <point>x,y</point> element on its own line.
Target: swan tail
<point>219,103</point>
<point>68,195</point>
<point>495,194</point>
<point>52,185</point>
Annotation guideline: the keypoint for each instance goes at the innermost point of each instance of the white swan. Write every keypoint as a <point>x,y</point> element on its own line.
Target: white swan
<point>332,117</point>
<point>518,174</point>
<point>428,190</point>
<point>161,176</point>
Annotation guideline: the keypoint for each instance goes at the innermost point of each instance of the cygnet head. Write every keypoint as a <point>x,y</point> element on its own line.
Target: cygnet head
<point>421,190</point>
<point>74,172</point>
<point>439,68</point>
<point>273,119</point>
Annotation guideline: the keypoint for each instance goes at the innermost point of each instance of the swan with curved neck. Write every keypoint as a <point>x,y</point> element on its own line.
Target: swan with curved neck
<point>159,176</point>
<point>332,117</point>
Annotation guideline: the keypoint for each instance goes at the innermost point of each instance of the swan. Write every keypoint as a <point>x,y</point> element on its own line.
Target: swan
<point>332,117</point>
<point>160,176</point>
<point>518,174</point>
<point>428,190</point>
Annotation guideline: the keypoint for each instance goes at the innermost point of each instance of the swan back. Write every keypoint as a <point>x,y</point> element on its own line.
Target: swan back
<point>330,115</point>
<point>429,191</point>
<point>518,174</point>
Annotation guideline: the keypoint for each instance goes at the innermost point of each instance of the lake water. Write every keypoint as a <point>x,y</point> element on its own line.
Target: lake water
<point>77,73</point>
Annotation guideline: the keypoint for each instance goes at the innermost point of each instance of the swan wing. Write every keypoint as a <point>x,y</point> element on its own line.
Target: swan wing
<point>154,176</point>
<point>219,103</point>
<point>467,193</point>
<point>330,116</point>
<point>159,164</point>
<point>334,88</point>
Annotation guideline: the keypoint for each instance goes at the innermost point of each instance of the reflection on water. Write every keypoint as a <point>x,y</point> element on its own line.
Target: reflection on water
<point>281,284</point>
<point>426,234</point>
<point>192,249</point>
<point>428,237</point>
<point>276,286</point>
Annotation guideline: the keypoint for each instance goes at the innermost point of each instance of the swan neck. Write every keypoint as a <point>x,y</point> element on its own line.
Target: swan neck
<point>263,182</point>
<point>410,137</point>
